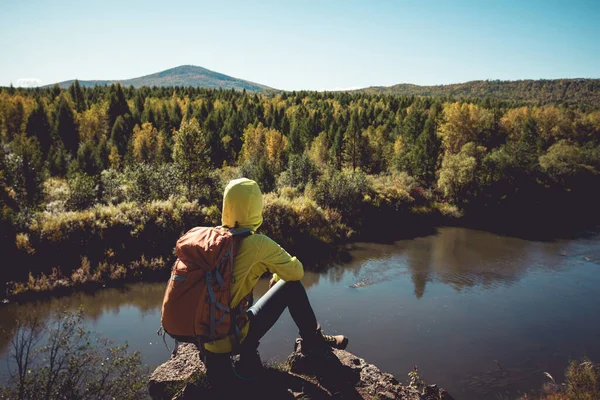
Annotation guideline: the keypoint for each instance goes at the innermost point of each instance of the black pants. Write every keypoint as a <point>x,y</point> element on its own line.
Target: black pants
<point>268,309</point>
<point>263,315</point>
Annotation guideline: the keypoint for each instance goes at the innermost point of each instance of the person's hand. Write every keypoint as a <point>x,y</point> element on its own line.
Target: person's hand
<point>272,282</point>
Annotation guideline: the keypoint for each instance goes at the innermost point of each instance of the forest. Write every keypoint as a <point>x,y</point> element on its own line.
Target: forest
<point>96,184</point>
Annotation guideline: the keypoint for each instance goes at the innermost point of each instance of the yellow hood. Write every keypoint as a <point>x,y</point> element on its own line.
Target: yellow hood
<point>242,205</point>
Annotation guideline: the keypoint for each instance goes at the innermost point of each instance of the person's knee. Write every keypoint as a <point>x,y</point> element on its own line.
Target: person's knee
<point>294,286</point>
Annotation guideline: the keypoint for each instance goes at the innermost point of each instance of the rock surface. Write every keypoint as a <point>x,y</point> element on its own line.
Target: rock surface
<point>177,372</point>
<point>341,375</point>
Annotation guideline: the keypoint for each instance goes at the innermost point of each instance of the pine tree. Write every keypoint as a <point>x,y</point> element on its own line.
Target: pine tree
<point>65,126</point>
<point>29,175</point>
<point>119,135</point>
<point>117,104</point>
<point>77,96</point>
<point>190,155</point>
<point>352,138</point>
<point>337,150</point>
<point>426,151</point>
<point>38,126</point>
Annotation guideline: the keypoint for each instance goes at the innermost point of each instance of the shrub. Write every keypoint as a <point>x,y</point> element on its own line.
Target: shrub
<point>83,191</point>
<point>154,182</point>
<point>113,186</point>
<point>393,190</point>
<point>60,359</point>
<point>56,194</point>
<point>583,380</point>
<point>301,170</point>
<point>300,225</point>
<point>261,173</point>
<point>341,191</point>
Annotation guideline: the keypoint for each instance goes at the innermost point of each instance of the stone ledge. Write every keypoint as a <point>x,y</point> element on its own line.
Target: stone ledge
<point>342,376</point>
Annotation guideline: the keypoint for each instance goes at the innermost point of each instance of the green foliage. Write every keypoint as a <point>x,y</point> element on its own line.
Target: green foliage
<point>472,158</point>
<point>27,176</point>
<point>113,186</point>
<point>65,126</point>
<point>61,359</point>
<point>555,91</point>
<point>300,171</point>
<point>38,126</point>
<point>426,153</point>
<point>459,173</point>
<point>149,182</point>
<point>190,156</point>
<point>298,223</point>
<point>261,173</point>
<point>119,135</point>
<point>563,162</point>
<point>341,191</point>
<point>583,380</point>
<point>83,191</point>
<point>117,104</point>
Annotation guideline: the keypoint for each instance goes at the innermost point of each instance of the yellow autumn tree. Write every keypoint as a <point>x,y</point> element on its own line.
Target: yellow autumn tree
<point>145,143</point>
<point>319,150</point>
<point>513,122</point>
<point>276,145</point>
<point>92,124</point>
<point>462,124</point>
<point>253,145</point>
<point>259,142</point>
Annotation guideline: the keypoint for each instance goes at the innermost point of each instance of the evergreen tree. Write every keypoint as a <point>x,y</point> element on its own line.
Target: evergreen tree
<point>119,135</point>
<point>77,96</point>
<point>117,104</point>
<point>138,105</point>
<point>337,150</point>
<point>352,138</point>
<point>29,174</point>
<point>15,116</point>
<point>175,116</point>
<point>38,126</point>
<point>426,151</point>
<point>65,126</point>
<point>190,155</point>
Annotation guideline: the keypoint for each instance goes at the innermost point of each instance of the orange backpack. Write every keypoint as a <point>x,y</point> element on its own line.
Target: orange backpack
<point>196,304</point>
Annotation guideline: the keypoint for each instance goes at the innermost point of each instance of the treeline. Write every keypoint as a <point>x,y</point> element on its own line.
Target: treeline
<point>581,93</point>
<point>336,156</point>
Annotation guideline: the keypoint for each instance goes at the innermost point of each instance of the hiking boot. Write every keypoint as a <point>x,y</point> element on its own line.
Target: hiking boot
<point>249,366</point>
<point>339,342</point>
<point>219,370</point>
<point>319,339</point>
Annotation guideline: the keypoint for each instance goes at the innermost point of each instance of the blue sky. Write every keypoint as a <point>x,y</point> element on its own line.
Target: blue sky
<point>313,45</point>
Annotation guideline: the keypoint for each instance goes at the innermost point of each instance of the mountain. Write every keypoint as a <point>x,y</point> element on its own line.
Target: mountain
<point>185,75</point>
<point>543,91</point>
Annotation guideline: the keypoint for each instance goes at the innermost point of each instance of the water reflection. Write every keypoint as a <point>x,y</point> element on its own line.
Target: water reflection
<point>462,258</point>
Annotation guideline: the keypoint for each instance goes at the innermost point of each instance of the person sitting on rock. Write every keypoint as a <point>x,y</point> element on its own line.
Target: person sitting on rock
<point>257,255</point>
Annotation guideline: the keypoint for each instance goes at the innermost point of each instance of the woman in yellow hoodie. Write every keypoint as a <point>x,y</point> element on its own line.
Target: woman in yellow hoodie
<point>257,255</point>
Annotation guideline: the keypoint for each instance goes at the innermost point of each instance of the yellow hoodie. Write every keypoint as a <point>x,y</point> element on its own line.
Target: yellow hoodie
<point>258,254</point>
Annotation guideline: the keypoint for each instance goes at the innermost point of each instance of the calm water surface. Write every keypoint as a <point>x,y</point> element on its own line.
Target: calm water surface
<point>458,303</point>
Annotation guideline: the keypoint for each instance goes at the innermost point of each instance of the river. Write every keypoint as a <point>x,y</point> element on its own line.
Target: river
<point>481,314</point>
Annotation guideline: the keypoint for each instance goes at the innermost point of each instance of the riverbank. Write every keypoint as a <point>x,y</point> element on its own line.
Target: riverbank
<point>110,245</point>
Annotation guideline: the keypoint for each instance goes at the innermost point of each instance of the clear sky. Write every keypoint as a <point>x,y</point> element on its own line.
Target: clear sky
<point>307,44</point>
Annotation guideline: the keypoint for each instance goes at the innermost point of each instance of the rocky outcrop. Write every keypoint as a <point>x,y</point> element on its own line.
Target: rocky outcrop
<point>180,370</point>
<point>340,375</point>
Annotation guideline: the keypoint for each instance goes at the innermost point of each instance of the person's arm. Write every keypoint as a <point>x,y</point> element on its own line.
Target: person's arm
<point>279,262</point>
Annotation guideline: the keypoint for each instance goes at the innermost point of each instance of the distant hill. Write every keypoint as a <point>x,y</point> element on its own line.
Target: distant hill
<point>185,75</point>
<point>555,91</point>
